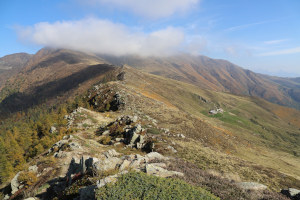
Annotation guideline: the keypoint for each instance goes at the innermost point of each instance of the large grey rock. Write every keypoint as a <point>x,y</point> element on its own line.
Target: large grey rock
<point>15,185</point>
<point>155,156</point>
<point>74,145</point>
<point>107,164</point>
<point>109,179</point>
<point>52,129</point>
<point>106,180</point>
<point>124,165</point>
<point>111,153</point>
<point>161,172</point>
<point>33,168</point>
<point>251,186</point>
<point>291,193</point>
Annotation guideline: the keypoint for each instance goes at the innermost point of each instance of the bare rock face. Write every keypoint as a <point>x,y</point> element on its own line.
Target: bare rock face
<point>155,156</point>
<point>251,186</point>
<point>15,185</point>
<point>107,164</point>
<point>154,169</point>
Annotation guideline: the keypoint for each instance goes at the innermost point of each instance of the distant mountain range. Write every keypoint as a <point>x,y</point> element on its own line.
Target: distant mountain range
<point>204,72</point>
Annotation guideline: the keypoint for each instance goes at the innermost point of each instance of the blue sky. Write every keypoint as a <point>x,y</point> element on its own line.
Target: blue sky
<point>261,35</point>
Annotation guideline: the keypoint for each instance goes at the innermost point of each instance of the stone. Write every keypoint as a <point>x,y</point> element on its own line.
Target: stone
<point>135,119</point>
<point>291,193</point>
<point>107,164</point>
<point>60,154</point>
<point>67,137</point>
<point>106,132</point>
<point>52,129</point>
<point>109,179</point>
<point>74,145</point>
<point>161,172</point>
<point>162,165</point>
<point>33,168</point>
<point>134,137</point>
<point>106,180</point>
<point>14,184</point>
<point>111,153</point>
<point>124,165</point>
<point>155,156</point>
<point>251,186</point>
<point>172,149</point>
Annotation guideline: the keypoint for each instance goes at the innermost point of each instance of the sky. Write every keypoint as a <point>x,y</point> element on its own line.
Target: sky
<point>260,35</point>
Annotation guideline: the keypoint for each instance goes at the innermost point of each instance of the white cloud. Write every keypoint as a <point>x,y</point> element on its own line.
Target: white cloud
<point>281,52</point>
<point>103,36</point>
<point>270,42</point>
<point>148,8</point>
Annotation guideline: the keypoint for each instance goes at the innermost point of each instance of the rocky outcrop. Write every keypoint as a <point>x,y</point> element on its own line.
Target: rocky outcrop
<point>292,193</point>
<point>251,186</point>
<point>15,185</point>
<point>127,130</point>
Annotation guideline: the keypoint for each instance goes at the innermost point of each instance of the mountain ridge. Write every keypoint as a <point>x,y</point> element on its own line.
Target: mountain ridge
<point>218,75</point>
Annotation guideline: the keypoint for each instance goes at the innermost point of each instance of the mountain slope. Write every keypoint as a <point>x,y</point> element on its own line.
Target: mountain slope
<point>11,65</point>
<point>217,75</point>
<point>51,74</point>
<point>251,140</point>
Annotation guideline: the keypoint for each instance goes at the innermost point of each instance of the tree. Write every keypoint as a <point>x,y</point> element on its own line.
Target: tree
<point>6,169</point>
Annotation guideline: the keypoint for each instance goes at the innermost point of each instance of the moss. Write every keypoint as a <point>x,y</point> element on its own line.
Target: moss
<point>141,186</point>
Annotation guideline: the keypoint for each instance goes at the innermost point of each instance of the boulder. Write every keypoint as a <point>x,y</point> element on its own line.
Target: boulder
<point>111,153</point>
<point>107,164</point>
<point>33,169</point>
<point>109,179</point>
<point>52,129</point>
<point>155,156</point>
<point>251,186</point>
<point>291,193</point>
<point>161,172</point>
<point>14,184</point>
<point>124,165</point>
<point>74,145</point>
<point>107,132</point>
<point>135,119</point>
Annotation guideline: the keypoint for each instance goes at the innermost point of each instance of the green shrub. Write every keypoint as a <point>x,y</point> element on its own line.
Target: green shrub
<point>141,186</point>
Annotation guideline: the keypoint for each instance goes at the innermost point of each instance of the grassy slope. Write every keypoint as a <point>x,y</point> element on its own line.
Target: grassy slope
<point>253,129</point>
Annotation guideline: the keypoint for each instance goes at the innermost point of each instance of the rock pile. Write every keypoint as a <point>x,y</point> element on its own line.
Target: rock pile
<point>127,130</point>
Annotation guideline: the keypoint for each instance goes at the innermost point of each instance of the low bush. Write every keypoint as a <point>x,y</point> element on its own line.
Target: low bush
<point>27,178</point>
<point>136,185</point>
<point>105,140</point>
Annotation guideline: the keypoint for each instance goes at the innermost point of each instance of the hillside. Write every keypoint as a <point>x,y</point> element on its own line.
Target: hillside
<point>11,65</point>
<point>217,75</point>
<point>65,110</point>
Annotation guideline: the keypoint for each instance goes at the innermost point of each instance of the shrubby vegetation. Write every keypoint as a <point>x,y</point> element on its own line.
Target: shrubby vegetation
<point>141,186</point>
<point>25,135</point>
